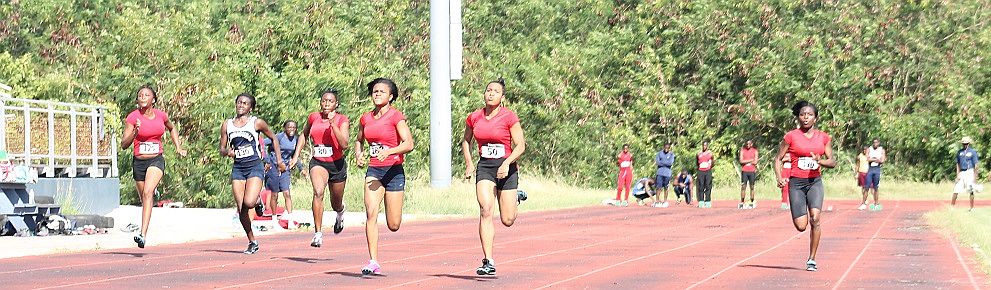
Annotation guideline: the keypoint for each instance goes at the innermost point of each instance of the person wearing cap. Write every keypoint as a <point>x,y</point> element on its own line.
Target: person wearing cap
<point>966,172</point>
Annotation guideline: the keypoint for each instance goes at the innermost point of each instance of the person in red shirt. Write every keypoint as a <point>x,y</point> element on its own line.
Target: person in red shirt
<point>705,160</point>
<point>810,150</point>
<point>143,129</point>
<point>499,135</point>
<point>625,178</point>
<point>748,173</point>
<point>385,130</point>
<point>328,132</point>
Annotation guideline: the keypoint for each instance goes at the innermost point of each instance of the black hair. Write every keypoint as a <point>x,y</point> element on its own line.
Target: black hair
<point>393,89</point>
<point>668,143</point>
<point>797,109</point>
<point>626,144</point>
<point>286,123</point>
<point>154,94</point>
<point>246,95</point>
<point>328,91</point>
<point>501,82</point>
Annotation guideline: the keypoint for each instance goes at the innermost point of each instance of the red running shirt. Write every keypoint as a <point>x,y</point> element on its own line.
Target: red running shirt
<point>326,148</point>
<point>382,134</point>
<point>749,154</point>
<point>625,162</point>
<point>493,136</point>
<point>801,149</point>
<point>149,136</point>
<point>704,160</point>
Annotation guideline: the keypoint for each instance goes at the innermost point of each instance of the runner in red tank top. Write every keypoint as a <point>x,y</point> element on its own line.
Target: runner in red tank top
<point>748,173</point>
<point>625,178</point>
<point>389,138</point>
<point>328,132</point>
<point>143,130</point>
<point>810,150</point>
<point>500,144</point>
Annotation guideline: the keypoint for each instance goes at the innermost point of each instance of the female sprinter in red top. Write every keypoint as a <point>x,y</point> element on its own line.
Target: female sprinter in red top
<point>500,144</point>
<point>239,140</point>
<point>328,131</point>
<point>143,129</point>
<point>810,150</point>
<point>389,138</point>
<point>625,178</point>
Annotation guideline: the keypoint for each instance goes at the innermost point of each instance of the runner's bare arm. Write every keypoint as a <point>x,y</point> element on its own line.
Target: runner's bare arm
<point>830,161</point>
<point>129,133</point>
<point>519,143</point>
<point>262,126</point>
<point>779,163</point>
<point>174,133</point>
<point>342,134</point>
<point>466,151</point>
<point>359,155</point>
<point>224,148</point>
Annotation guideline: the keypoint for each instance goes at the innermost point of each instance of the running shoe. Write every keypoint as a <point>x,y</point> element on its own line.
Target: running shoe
<point>317,240</point>
<point>753,204</point>
<point>372,268</point>
<point>784,206</point>
<point>874,207</point>
<point>665,204</point>
<point>811,266</point>
<point>862,206</point>
<point>701,204</point>
<point>740,206</point>
<point>260,208</point>
<point>140,239</point>
<point>625,203</point>
<point>487,268</point>
<point>520,196</point>
<point>877,206</point>
<point>708,204</point>
<point>339,222</point>
<point>252,248</point>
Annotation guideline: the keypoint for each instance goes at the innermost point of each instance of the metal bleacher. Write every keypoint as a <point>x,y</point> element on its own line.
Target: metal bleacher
<point>56,140</point>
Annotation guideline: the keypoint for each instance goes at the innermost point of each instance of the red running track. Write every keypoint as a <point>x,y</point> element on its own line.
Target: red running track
<point>595,247</point>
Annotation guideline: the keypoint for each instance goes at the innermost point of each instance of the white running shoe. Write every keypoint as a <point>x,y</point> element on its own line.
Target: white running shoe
<point>665,204</point>
<point>317,240</point>
<point>862,206</point>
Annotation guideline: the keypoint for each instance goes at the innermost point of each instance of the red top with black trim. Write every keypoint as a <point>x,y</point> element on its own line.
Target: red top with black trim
<point>382,134</point>
<point>492,135</point>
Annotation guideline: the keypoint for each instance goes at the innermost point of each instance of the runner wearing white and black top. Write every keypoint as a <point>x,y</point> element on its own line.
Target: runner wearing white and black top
<point>239,140</point>
<point>876,157</point>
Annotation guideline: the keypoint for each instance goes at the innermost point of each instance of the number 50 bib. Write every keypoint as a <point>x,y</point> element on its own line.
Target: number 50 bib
<point>493,151</point>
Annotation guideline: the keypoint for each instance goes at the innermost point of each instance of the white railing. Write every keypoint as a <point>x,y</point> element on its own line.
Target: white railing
<point>95,161</point>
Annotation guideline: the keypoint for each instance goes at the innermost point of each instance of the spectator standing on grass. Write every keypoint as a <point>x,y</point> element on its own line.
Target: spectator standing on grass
<point>876,157</point>
<point>704,161</point>
<point>967,159</point>
<point>861,175</point>
<point>624,180</point>
<point>664,161</point>
<point>748,173</point>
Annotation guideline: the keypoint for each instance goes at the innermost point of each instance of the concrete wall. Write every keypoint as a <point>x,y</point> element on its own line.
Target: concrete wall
<point>97,196</point>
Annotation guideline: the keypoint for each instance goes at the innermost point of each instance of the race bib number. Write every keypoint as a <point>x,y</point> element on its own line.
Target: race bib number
<point>149,148</point>
<point>243,151</point>
<point>786,165</point>
<point>624,164</point>
<point>323,151</point>
<point>376,148</point>
<point>807,163</point>
<point>493,151</point>
<point>875,164</point>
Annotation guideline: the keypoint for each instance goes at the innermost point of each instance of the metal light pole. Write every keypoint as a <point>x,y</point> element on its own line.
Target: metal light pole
<point>442,16</point>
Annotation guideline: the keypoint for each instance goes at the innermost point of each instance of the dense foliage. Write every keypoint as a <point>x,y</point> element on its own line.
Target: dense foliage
<point>585,76</point>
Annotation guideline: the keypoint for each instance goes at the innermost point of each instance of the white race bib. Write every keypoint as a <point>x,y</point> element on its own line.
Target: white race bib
<point>807,163</point>
<point>624,164</point>
<point>493,151</point>
<point>786,165</point>
<point>149,148</point>
<point>875,164</point>
<point>376,148</point>
<point>323,151</point>
<point>243,151</point>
